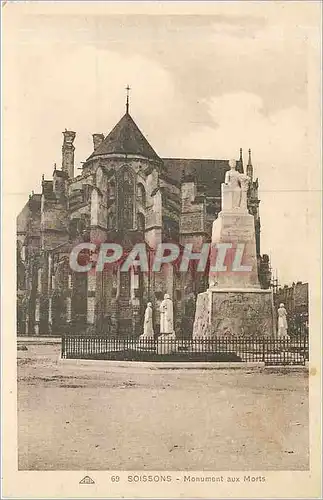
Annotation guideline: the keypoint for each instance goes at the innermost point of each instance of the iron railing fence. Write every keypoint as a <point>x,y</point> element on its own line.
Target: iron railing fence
<point>271,351</point>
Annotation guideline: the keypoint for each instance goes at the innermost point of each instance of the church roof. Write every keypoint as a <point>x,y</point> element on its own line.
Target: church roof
<point>126,138</point>
<point>208,173</point>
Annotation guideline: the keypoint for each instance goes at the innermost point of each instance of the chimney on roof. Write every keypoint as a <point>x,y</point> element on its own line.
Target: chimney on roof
<point>97,140</point>
<point>68,153</point>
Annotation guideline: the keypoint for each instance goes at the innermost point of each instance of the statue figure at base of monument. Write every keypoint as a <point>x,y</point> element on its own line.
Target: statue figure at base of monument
<point>148,323</point>
<point>167,343</point>
<point>282,322</point>
<point>166,316</point>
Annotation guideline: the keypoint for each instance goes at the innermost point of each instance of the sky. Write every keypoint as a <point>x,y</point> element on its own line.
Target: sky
<point>202,86</point>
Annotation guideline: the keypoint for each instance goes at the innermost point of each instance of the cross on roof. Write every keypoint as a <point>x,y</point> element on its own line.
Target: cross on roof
<point>127,103</point>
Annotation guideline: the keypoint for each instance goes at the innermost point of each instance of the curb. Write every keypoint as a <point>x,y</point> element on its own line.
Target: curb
<point>160,365</point>
<point>287,367</point>
<point>39,340</point>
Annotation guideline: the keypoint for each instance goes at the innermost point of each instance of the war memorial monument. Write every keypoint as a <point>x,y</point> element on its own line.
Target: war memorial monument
<point>234,303</point>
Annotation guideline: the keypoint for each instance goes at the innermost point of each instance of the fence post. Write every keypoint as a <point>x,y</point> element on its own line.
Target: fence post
<point>63,346</point>
<point>263,350</point>
<point>306,348</point>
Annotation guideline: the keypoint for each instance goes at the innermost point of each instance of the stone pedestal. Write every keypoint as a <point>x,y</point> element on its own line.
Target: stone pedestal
<point>237,229</point>
<point>234,312</point>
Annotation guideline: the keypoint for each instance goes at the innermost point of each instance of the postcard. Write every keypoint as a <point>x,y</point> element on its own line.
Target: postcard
<point>161,249</point>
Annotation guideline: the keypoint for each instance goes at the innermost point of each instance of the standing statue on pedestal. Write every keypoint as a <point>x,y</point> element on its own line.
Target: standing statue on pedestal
<point>235,189</point>
<point>166,316</point>
<point>148,323</point>
<point>167,340</point>
<point>233,182</point>
<point>282,322</point>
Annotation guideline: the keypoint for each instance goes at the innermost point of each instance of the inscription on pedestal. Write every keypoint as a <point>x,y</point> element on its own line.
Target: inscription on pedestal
<point>225,314</point>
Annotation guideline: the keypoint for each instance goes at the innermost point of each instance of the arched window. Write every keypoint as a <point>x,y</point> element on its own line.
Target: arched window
<point>141,222</point>
<point>39,280</point>
<point>111,191</point>
<point>111,221</point>
<point>170,229</point>
<point>127,205</point>
<point>141,195</point>
<point>73,227</point>
<point>126,199</point>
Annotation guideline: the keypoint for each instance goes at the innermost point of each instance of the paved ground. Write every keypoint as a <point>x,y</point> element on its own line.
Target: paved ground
<point>105,418</point>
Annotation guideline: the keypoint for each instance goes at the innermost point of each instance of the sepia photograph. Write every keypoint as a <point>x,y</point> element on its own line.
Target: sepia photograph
<point>162,213</point>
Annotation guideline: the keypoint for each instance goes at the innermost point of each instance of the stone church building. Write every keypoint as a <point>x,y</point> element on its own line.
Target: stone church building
<point>126,193</point>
